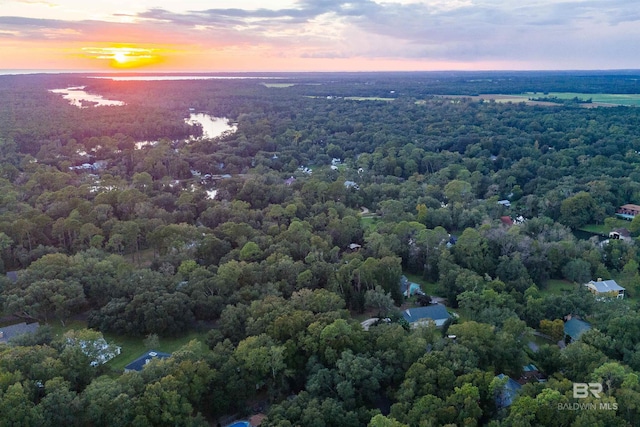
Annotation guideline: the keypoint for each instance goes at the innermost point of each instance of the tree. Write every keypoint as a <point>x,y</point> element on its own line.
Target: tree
<point>378,300</point>
<point>250,252</point>
<point>261,360</point>
<point>555,329</point>
<point>472,251</point>
<point>382,421</point>
<point>60,406</point>
<point>579,210</point>
<point>44,299</point>
<point>577,270</point>
<point>16,408</point>
<point>163,403</point>
<point>107,403</point>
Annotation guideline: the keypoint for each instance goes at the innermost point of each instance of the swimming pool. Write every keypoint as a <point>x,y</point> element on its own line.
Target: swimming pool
<point>240,424</point>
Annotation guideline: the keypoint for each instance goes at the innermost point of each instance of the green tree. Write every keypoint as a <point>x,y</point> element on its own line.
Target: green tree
<point>579,210</point>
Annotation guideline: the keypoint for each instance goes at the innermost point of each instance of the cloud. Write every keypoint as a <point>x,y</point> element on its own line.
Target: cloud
<point>462,30</point>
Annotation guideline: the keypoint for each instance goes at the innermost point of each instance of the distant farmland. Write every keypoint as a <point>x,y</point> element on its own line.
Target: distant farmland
<point>598,99</point>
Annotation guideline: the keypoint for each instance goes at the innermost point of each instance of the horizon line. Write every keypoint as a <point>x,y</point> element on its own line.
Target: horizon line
<point>27,71</point>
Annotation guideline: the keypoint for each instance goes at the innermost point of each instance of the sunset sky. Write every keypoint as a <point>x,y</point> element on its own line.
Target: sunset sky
<point>319,35</point>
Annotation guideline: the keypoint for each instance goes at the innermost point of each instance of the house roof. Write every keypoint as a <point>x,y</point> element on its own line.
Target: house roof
<point>575,328</point>
<point>622,231</point>
<point>508,393</point>
<point>140,362</point>
<point>436,312</point>
<point>506,220</point>
<point>256,420</point>
<point>604,286</point>
<point>13,276</point>
<point>404,284</point>
<point>630,206</point>
<point>8,332</point>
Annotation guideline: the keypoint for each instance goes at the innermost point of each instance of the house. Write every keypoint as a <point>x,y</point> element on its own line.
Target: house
<point>11,331</point>
<point>575,327</point>
<point>12,276</point>
<point>408,288</point>
<point>628,211</point>
<point>620,234</point>
<point>508,393</point>
<point>606,288</point>
<point>436,313</point>
<point>351,184</point>
<point>506,203</point>
<point>531,373</point>
<point>140,362</point>
<point>99,350</point>
<point>354,246</point>
<point>256,420</point>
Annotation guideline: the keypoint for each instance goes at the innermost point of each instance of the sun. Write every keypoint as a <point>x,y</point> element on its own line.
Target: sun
<point>120,57</point>
<point>128,56</point>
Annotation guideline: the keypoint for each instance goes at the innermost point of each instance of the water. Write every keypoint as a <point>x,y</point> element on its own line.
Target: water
<point>175,77</point>
<point>78,97</point>
<point>586,235</point>
<point>212,127</point>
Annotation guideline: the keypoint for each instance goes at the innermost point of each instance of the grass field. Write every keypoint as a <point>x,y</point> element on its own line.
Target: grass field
<point>596,229</point>
<point>604,229</point>
<point>604,98</point>
<point>133,347</point>
<point>559,287</point>
<point>368,222</point>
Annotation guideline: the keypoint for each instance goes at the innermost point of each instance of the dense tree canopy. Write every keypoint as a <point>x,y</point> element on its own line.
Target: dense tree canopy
<point>272,239</point>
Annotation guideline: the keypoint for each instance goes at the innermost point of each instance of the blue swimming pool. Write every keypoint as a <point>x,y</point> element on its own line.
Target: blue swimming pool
<point>239,424</point>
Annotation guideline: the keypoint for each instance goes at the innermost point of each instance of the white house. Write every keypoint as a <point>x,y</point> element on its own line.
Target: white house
<point>606,288</point>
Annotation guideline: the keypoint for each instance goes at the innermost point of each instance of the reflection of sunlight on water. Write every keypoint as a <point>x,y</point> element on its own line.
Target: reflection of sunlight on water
<point>77,96</point>
<point>212,127</point>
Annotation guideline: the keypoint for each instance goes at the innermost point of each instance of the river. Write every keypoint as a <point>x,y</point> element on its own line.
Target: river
<point>80,98</point>
<point>212,127</point>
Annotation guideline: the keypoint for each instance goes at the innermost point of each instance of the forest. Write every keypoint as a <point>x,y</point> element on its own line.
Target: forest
<point>262,250</point>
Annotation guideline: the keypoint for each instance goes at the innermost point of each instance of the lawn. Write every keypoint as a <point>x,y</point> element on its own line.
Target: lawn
<point>541,341</point>
<point>604,229</point>
<point>559,287</point>
<point>133,347</point>
<point>596,229</point>
<point>368,222</point>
